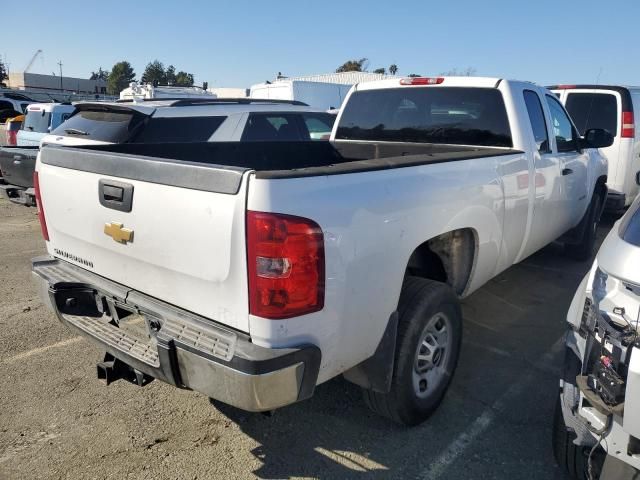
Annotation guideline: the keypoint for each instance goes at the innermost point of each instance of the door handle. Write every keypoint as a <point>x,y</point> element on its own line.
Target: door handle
<point>567,171</point>
<point>115,195</point>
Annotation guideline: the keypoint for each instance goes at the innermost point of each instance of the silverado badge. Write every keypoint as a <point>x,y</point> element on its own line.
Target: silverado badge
<point>118,233</point>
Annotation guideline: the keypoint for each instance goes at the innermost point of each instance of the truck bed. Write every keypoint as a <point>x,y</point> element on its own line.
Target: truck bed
<point>302,159</point>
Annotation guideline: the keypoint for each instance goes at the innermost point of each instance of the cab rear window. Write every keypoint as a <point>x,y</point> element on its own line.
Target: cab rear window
<point>441,115</point>
<point>593,110</point>
<point>114,126</point>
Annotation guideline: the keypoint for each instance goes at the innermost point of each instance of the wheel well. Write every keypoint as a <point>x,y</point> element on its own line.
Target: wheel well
<point>446,258</point>
<point>601,187</point>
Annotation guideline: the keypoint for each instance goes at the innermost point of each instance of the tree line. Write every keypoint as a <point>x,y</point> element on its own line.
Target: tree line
<point>155,73</point>
<point>362,65</point>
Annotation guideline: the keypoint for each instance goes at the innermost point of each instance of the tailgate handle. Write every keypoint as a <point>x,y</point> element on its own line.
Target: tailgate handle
<point>115,195</point>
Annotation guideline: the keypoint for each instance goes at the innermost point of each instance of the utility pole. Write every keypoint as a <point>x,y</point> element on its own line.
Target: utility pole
<point>60,65</point>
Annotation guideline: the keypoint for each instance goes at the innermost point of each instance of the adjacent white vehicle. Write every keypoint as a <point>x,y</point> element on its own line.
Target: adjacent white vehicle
<point>192,120</point>
<point>40,119</point>
<point>617,109</point>
<point>263,269</point>
<point>161,121</point>
<point>599,402</point>
<point>327,96</point>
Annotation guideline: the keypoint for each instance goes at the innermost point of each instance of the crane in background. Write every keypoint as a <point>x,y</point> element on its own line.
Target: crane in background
<point>33,59</point>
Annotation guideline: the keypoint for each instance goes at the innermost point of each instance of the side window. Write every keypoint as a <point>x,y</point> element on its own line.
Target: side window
<point>318,125</point>
<point>538,123</point>
<point>270,128</point>
<point>178,129</point>
<point>561,125</point>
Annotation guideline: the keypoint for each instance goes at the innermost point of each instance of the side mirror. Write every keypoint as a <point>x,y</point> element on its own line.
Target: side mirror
<point>596,138</point>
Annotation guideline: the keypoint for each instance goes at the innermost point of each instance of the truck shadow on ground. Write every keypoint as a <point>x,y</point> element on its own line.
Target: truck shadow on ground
<point>495,419</point>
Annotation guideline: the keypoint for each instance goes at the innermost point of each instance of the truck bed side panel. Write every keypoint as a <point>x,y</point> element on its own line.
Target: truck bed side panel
<point>372,222</point>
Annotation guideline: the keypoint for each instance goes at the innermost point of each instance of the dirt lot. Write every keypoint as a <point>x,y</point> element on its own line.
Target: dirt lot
<point>58,421</point>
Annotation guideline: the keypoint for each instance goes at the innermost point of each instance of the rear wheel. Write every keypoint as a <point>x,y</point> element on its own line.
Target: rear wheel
<point>584,250</point>
<point>427,350</point>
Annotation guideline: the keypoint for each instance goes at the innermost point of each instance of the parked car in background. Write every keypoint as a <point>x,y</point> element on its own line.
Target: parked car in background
<point>40,119</point>
<point>161,121</point>
<point>326,96</point>
<point>13,102</point>
<point>264,269</point>
<point>617,109</point>
<point>12,127</point>
<point>598,409</point>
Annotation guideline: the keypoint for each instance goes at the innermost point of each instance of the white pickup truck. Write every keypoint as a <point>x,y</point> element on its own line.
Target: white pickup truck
<point>253,272</point>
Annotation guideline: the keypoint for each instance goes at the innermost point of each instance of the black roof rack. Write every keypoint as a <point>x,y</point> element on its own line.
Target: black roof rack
<point>183,102</point>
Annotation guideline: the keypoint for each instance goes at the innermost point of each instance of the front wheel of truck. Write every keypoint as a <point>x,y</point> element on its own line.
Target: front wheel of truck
<point>427,350</point>
<point>584,249</point>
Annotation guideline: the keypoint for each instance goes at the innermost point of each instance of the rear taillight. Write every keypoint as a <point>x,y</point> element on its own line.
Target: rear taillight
<point>12,138</point>
<point>628,126</point>
<point>285,256</point>
<point>421,81</point>
<point>43,221</point>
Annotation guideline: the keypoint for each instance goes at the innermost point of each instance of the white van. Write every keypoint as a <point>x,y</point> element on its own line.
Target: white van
<point>327,96</point>
<point>615,108</point>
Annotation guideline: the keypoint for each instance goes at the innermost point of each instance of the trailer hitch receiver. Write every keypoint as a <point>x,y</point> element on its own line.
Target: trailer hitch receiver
<point>112,369</point>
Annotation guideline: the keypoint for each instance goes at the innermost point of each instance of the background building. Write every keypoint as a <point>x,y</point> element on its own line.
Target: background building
<point>344,78</point>
<point>37,82</point>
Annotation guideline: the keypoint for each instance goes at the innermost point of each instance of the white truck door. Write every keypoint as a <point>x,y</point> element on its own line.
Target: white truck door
<point>543,180</point>
<point>573,166</point>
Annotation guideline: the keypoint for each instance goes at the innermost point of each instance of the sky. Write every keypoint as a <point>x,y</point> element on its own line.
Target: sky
<point>238,43</point>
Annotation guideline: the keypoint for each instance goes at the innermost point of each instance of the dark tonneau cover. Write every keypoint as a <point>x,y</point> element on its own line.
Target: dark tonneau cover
<point>300,159</point>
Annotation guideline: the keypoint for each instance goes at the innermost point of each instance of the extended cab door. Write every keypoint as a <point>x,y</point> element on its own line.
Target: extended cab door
<point>542,181</point>
<point>573,165</point>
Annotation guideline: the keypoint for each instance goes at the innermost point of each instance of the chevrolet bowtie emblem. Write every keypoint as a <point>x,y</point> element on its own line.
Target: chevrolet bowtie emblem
<point>118,233</point>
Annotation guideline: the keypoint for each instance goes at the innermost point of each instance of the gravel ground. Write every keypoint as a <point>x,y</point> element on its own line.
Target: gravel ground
<point>58,421</point>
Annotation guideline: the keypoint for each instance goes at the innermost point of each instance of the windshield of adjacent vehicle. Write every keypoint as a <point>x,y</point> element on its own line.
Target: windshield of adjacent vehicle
<point>115,126</point>
<point>593,110</point>
<point>449,115</point>
<point>36,121</point>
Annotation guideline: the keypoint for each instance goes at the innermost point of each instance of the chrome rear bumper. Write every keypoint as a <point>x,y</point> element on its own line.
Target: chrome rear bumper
<point>180,348</point>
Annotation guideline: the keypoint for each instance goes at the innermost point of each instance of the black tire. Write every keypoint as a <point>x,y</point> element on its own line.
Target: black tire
<point>584,250</point>
<point>574,459</point>
<point>421,301</point>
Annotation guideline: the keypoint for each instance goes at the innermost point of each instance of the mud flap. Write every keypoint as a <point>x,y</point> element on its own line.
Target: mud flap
<point>375,372</point>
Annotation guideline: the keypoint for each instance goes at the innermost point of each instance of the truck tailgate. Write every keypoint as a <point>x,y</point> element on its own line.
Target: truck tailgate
<point>181,238</point>
<point>17,165</point>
